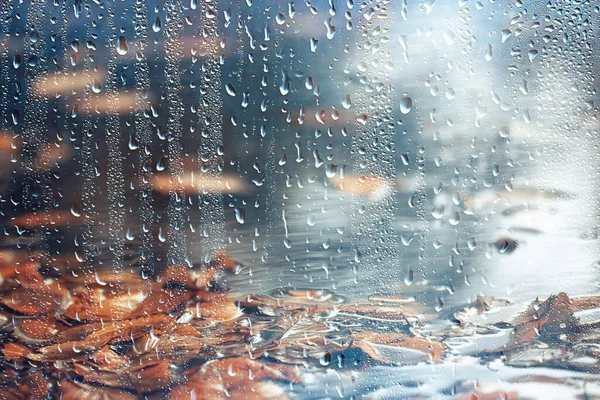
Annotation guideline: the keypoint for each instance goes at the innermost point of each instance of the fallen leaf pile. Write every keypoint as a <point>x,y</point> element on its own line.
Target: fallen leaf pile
<point>113,334</point>
<point>72,332</point>
<point>549,333</point>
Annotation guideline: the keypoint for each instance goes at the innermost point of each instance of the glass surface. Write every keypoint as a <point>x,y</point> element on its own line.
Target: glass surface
<point>385,199</point>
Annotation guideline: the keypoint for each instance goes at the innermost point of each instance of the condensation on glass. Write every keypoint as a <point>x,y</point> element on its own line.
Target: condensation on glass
<point>299,199</point>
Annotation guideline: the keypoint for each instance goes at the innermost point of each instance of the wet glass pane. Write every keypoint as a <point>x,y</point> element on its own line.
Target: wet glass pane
<point>380,199</point>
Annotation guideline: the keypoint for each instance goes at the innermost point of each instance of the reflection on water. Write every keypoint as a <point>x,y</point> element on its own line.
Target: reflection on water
<point>299,200</point>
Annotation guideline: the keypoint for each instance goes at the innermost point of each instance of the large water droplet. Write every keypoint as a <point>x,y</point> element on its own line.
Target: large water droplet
<point>122,47</point>
<point>406,105</point>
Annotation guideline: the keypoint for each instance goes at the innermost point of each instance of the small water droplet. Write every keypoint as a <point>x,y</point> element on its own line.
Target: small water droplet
<point>240,215</point>
<point>230,90</point>
<point>96,86</point>
<point>347,103</point>
<point>156,26</point>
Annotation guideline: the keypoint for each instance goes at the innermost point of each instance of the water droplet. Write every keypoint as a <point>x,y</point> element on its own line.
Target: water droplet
<point>76,211</point>
<point>240,215</point>
<point>325,360</point>
<point>532,54</point>
<point>156,26</point>
<point>284,88</point>
<point>489,52</point>
<point>330,28</point>
<point>161,164</point>
<point>313,45</point>
<point>122,47</point>
<point>454,218</point>
<point>406,105</point>
<point>347,103</point>
<point>438,211</point>
<point>96,86</point>
<point>230,90</point>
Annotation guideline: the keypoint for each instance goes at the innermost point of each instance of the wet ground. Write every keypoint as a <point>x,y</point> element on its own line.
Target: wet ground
<point>509,315</point>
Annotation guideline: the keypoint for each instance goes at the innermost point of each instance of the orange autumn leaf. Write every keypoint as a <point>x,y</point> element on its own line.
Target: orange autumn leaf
<point>236,377</point>
<point>39,329</point>
<point>216,309</point>
<point>73,390</point>
<point>550,319</point>
<point>102,335</point>
<point>383,347</point>
<point>36,300</point>
<point>108,359</point>
<point>498,395</point>
<point>15,351</point>
<point>176,290</point>
<point>32,386</point>
<point>138,378</point>
<point>26,273</point>
<point>96,305</point>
